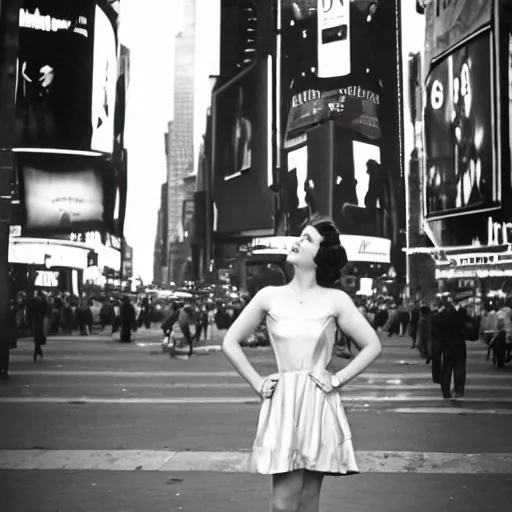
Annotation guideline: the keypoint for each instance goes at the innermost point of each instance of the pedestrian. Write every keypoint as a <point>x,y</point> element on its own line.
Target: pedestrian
<point>423,334</point>
<point>186,320</point>
<point>403,317</point>
<point>436,343</point>
<point>303,433</point>
<point>413,324</point>
<point>454,351</point>
<point>38,313</point>
<point>128,319</point>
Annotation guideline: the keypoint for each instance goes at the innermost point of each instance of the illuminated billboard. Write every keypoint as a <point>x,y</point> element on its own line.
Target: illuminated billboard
<point>65,193</point>
<point>104,83</point>
<point>67,73</point>
<point>330,67</point>
<point>461,174</point>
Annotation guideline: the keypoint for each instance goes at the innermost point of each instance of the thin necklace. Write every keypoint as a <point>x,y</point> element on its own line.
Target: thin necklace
<point>299,296</point>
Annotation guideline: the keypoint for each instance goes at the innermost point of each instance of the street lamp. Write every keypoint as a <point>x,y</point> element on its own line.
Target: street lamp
<point>47,261</point>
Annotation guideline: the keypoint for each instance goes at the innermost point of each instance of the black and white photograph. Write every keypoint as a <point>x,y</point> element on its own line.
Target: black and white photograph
<point>255,255</point>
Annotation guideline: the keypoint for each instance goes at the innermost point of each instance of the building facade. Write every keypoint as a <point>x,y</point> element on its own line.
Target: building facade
<point>181,135</point>
<point>160,270</point>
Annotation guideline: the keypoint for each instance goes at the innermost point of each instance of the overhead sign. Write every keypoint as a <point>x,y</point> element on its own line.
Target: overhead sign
<point>358,248</point>
<point>35,253</point>
<point>448,22</point>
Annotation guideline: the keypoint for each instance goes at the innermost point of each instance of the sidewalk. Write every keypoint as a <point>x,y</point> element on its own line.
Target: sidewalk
<point>139,491</point>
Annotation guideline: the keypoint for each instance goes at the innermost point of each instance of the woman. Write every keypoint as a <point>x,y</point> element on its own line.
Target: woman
<point>303,432</point>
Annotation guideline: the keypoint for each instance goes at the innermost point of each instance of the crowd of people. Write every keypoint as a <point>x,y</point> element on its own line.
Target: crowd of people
<point>440,330</point>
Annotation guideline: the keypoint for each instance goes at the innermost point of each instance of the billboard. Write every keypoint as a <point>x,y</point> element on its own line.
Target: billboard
<point>63,193</point>
<point>449,23</point>
<point>342,176</point>
<point>104,83</point>
<point>337,77</point>
<point>461,175</point>
<point>67,72</point>
<point>235,135</point>
<point>242,152</point>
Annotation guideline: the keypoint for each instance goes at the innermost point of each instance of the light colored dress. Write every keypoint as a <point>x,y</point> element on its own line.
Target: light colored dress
<point>301,427</point>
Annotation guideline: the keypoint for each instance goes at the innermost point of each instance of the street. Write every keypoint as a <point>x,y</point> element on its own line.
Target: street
<point>99,425</point>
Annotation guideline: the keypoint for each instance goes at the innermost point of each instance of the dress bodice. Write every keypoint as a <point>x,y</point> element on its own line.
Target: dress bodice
<point>302,339</point>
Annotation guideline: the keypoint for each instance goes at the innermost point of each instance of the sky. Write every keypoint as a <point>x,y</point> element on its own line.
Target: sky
<point>148,28</point>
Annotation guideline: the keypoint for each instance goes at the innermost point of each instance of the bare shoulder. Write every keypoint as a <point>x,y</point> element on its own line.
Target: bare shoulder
<point>341,302</point>
<point>264,297</point>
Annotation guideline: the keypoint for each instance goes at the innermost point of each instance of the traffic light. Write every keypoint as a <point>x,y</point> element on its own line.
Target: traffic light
<point>92,259</point>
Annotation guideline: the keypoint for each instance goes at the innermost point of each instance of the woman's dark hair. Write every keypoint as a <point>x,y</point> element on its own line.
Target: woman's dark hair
<point>331,256</point>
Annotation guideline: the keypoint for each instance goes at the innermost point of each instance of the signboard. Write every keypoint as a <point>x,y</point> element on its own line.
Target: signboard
<point>57,201</point>
<point>358,248</point>
<point>450,22</point>
<point>333,38</point>
<point>104,83</point>
<point>353,107</point>
<point>459,138</point>
<point>67,74</point>
<point>337,78</point>
<point>47,279</point>
<point>34,253</point>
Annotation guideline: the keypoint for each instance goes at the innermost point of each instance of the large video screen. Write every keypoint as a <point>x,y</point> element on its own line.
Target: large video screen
<point>460,173</point>
<point>65,90</point>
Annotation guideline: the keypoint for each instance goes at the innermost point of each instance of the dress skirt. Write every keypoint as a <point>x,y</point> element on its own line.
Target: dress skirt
<point>301,427</point>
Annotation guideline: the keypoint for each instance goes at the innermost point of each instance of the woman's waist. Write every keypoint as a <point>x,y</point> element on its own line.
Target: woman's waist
<point>299,371</point>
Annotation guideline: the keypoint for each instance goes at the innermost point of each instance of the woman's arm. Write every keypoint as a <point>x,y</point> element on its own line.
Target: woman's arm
<point>354,325</point>
<point>242,328</point>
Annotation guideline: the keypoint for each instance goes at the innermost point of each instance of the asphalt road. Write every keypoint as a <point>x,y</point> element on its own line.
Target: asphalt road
<point>99,425</point>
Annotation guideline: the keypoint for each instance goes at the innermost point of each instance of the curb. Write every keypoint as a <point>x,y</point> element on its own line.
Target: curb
<point>237,461</point>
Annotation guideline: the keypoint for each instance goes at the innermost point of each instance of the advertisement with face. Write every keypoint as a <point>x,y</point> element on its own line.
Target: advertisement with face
<point>65,89</point>
<point>104,83</point>
<point>459,143</point>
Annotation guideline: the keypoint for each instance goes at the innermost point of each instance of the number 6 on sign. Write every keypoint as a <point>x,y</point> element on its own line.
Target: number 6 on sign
<point>437,95</point>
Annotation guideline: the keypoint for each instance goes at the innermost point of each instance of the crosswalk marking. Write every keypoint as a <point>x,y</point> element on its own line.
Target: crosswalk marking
<point>236,462</point>
<point>395,383</point>
<point>450,410</point>
<point>368,376</point>
<point>191,400</point>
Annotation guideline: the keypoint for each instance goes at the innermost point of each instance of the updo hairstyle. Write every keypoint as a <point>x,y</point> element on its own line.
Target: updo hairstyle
<point>331,256</point>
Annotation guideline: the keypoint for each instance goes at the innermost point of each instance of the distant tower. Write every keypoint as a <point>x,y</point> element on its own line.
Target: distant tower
<point>181,144</point>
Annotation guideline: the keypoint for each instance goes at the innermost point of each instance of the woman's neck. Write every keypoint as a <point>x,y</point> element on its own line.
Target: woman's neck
<point>304,281</point>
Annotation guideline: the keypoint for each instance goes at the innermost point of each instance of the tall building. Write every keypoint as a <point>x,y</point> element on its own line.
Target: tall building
<point>160,270</point>
<point>181,133</point>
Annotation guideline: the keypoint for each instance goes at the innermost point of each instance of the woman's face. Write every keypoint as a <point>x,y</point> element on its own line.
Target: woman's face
<point>305,249</point>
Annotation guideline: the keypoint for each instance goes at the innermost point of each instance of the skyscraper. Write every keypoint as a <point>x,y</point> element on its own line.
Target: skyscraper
<point>181,145</point>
